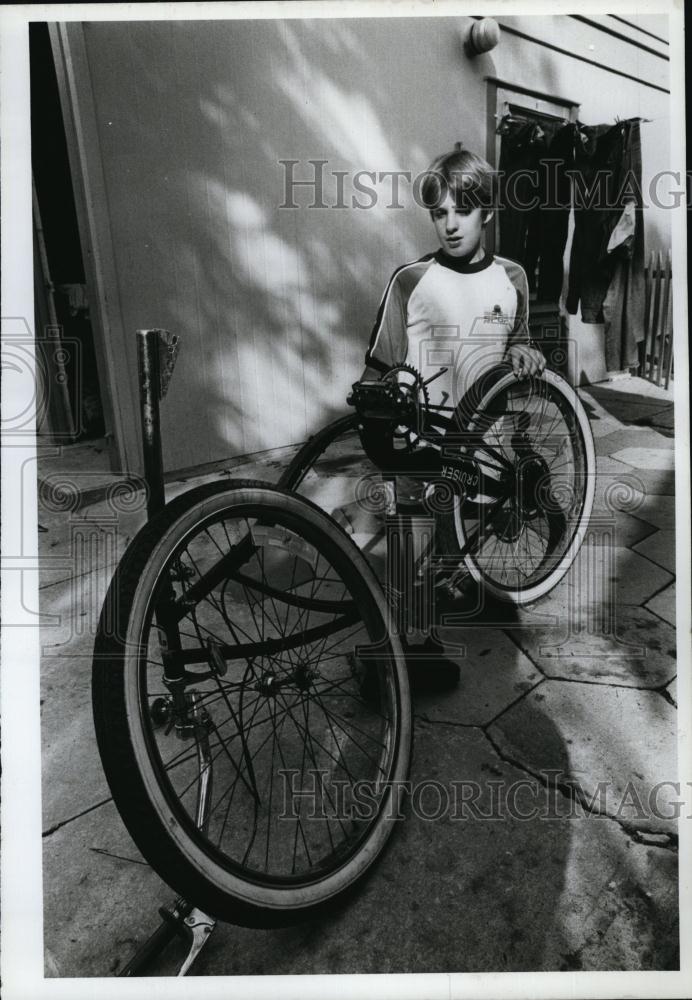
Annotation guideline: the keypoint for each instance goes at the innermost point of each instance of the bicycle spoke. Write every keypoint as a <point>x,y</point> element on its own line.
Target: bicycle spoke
<point>526,422</point>
<point>276,698</point>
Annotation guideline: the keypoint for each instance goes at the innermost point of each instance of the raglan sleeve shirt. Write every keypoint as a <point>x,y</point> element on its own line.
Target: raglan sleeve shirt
<point>389,339</point>
<point>519,333</point>
<point>438,296</point>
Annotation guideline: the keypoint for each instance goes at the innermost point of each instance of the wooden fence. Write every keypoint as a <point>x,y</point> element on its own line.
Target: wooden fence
<point>656,350</point>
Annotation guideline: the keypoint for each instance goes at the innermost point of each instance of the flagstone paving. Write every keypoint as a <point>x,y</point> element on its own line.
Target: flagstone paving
<point>565,712</point>
<point>583,732</point>
<point>659,547</point>
<point>663,604</point>
<point>635,649</point>
<point>469,865</point>
<point>646,458</point>
<point>672,690</point>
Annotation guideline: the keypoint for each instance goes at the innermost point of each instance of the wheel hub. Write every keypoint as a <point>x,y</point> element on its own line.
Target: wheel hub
<point>508,524</point>
<point>532,480</point>
<point>302,678</point>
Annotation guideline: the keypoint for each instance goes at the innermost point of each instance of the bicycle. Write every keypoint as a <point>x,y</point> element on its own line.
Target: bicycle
<point>514,457</point>
<point>250,691</point>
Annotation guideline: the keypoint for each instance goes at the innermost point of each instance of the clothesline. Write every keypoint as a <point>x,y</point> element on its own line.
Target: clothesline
<point>606,263</point>
<point>568,121</point>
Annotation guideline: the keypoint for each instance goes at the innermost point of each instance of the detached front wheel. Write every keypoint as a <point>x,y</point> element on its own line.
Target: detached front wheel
<point>251,705</point>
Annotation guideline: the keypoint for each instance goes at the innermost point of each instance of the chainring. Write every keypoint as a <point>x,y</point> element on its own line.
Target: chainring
<point>405,438</point>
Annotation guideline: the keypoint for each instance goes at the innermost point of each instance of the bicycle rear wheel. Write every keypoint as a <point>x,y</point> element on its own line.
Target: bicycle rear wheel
<point>330,448</point>
<point>251,705</point>
<point>534,436</point>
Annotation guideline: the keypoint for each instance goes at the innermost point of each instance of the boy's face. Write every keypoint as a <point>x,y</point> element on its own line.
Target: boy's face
<point>459,229</point>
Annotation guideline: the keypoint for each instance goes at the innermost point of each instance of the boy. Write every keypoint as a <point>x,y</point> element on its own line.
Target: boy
<point>458,294</point>
<point>459,307</point>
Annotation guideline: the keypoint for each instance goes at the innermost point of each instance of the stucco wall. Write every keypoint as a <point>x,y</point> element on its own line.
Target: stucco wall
<point>275,305</point>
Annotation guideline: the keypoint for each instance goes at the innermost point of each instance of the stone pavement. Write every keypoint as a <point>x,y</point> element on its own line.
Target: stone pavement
<point>566,859</point>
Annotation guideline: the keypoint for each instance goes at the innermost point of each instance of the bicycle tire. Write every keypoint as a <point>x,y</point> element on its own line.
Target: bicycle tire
<point>302,462</point>
<point>453,535</point>
<point>145,789</point>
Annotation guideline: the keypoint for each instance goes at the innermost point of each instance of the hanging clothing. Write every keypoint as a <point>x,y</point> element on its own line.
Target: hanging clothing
<point>535,199</point>
<point>597,155</point>
<point>606,276</point>
<point>622,235</point>
<point>520,150</point>
<point>551,167</point>
<point>553,220</point>
<point>623,306</point>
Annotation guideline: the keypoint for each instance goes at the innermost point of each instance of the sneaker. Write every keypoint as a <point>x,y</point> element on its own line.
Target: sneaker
<point>429,670</point>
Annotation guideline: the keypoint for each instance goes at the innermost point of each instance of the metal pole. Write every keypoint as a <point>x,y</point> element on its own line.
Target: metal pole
<point>150,395</point>
<point>183,918</point>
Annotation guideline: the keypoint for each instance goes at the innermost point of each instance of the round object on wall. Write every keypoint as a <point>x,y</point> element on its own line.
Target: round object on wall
<point>483,36</point>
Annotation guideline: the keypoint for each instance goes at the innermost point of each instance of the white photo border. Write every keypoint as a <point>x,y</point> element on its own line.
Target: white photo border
<point>22,901</point>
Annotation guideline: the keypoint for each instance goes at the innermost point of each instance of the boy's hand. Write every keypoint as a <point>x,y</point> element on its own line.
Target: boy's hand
<point>526,360</point>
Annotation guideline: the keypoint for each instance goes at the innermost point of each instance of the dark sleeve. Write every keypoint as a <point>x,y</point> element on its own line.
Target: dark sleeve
<point>389,339</point>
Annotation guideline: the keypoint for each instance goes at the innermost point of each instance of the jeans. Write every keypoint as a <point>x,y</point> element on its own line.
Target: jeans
<point>534,164</point>
<point>623,306</point>
<point>603,156</point>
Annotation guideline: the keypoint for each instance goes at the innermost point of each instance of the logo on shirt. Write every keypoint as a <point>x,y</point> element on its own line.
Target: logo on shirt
<point>496,316</point>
